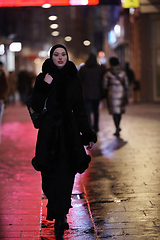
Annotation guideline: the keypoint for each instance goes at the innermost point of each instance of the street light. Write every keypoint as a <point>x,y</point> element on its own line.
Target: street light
<point>55,33</point>
<point>42,54</point>
<point>117,30</point>
<point>68,38</point>
<point>54,26</point>
<point>52,17</point>
<point>2,49</point>
<point>78,2</point>
<point>15,47</point>
<point>46,5</point>
<point>86,43</point>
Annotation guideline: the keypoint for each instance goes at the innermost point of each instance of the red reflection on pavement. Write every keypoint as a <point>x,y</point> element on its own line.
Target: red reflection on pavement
<point>20,191</point>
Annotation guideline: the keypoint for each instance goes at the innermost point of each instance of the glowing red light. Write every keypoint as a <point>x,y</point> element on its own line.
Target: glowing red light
<point>21,3</point>
<point>101,54</point>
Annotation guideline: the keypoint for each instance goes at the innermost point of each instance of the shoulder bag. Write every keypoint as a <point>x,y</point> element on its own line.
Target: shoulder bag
<point>35,117</point>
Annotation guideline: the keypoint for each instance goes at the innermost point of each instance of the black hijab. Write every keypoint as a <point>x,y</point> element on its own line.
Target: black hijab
<point>61,76</point>
<point>49,66</point>
<point>69,69</point>
<point>58,46</point>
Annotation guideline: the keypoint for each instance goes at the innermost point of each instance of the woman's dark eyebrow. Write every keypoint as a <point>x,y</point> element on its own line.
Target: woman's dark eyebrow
<point>61,52</point>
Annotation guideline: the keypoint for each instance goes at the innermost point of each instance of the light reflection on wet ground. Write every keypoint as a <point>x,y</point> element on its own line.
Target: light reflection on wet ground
<point>118,197</point>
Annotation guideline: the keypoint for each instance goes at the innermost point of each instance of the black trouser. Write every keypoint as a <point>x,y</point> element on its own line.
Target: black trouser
<point>117,119</point>
<point>93,106</point>
<point>58,190</point>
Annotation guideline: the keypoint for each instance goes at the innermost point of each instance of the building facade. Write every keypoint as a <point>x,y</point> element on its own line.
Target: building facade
<point>31,27</point>
<point>138,42</point>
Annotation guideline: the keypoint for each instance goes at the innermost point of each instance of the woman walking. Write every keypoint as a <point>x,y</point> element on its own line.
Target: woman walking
<point>63,131</point>
<point>91,75</point>
<point>117,92</point>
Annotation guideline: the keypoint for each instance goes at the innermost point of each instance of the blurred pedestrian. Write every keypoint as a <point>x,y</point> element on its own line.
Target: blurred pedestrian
<point>130,74</point>
<point>12,86</point>
<point>4,90</point>
<point>59,150</point>
<point>24,85</point>
<point>91,75</point>
<point>131,79</point>
<point>136,91</point>
<point>117,91</point>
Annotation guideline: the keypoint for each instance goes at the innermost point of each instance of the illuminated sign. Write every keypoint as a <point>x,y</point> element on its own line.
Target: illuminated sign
<point>130,3</point>
<point>111,37</point>
<point>25,3</point>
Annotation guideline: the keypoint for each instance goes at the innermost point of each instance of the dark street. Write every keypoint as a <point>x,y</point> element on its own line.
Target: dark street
<point>118,197</point>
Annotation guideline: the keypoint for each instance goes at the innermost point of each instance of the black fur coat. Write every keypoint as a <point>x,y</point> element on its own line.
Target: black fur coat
<point>64,128</point>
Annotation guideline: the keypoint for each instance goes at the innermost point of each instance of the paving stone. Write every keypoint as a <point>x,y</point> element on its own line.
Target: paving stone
<point>118,197</point>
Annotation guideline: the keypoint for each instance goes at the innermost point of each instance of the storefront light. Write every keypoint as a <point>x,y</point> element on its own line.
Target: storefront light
<point>130,3</point>
<point>86,43</point>
<point>52,17</point>
<point>15,47</point>
<point>78,2</point>
<point>55,33</point>
<point>2,49</point>
<point>68,38</point>
<point>46,5</point>
<point>54,26</point>
<point>42,54</point>
<point>117,30</point>
<point>111,37</point>
<point>84,2</point>
<point>101,54</point>
<point>131,11</point>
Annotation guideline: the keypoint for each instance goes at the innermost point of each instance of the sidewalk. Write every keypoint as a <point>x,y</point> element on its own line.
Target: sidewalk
<point>20,190</point>
<point>118,197</point>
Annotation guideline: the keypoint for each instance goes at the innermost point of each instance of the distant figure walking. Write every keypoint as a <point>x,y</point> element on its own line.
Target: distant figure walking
<point>4,90</point>
<point>130,74</point>
<point>24,85</point>
<point>91,75</point>
<point>12,87</point>
<point>116,86</point>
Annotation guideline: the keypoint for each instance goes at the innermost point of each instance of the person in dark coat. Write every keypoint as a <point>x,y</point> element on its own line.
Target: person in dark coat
<point>91,75</point>
<point>24,85</point>
<point>63,131</point>
<point>116,86</point>
<point>130,74</point>
<point>131,79</point>
<point>4,91</point>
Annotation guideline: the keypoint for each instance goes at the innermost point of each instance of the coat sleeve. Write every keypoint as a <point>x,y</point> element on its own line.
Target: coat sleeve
<point>105,81</point>
<point>40,93</point>
<point>81,115</point>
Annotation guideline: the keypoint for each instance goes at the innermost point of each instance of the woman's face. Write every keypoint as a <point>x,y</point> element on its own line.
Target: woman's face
<point>59,57</point>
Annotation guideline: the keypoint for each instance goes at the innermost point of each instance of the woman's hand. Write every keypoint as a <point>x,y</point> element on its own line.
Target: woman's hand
<point>90,145</point>
<point>48,78</point>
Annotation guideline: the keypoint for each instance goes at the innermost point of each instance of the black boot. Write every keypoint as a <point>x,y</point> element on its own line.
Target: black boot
<point>117,132</point>
<point>61,224</point>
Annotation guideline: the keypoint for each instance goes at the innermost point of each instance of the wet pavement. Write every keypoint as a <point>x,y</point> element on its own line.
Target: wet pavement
<point>118,197</point>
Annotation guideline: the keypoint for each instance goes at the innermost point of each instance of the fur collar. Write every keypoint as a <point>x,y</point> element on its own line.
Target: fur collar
<point>69,70</point>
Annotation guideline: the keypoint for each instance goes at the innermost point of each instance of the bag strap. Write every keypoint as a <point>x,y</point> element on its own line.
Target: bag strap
<point>45,104</point>
<point>120,79</point>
